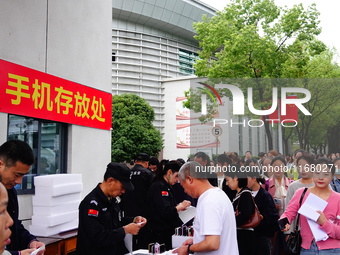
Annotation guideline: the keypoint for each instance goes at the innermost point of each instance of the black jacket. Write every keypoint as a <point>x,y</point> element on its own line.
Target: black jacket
<point>266,206</point>
<point>244,202</point>
<point>134,202</point>
<point>163,214</point>
<point>21,237</point>
<point>100,228</point>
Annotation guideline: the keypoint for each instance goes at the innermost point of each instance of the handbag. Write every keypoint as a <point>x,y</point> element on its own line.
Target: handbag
<point>293,244</point>
<point>255,218</point>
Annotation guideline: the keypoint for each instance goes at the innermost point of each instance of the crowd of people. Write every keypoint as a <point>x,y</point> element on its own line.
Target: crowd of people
<point>144,202</point>
<point>274,181</point>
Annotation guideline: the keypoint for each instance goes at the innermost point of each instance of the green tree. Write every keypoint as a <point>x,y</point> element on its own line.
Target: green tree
<point>318,73</point>
<point>252,39</point>
<point>133,131</point>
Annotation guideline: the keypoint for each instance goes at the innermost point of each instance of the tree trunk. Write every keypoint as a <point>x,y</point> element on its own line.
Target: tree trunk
<point>268,133</point>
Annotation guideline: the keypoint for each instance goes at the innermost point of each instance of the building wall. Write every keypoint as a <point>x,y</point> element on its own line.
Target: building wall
<point>147,37</point>
<point>71,40</point>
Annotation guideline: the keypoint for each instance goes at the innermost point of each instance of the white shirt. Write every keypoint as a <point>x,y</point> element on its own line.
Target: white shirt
<point>215,216</point>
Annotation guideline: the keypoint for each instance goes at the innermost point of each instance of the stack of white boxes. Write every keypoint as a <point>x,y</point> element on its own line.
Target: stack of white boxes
<point>55,204</point>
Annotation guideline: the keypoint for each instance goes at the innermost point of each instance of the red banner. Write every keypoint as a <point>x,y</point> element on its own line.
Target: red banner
<point>28,92</point>
<point>291,113</point>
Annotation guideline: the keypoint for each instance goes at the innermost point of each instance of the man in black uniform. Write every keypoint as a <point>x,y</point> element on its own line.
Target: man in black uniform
<point>102,225</point>
<point>134,203</point>
<point>16,158</point>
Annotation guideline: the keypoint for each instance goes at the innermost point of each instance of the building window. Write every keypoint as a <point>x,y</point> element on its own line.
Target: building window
<point>186,61</point>
<point>48,141</point>
<point>113,57</point>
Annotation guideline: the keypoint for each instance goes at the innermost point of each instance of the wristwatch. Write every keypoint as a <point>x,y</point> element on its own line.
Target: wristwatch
<point>189,251</point>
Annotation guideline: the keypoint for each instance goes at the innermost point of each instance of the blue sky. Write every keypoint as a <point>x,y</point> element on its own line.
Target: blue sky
<point>329,17</point>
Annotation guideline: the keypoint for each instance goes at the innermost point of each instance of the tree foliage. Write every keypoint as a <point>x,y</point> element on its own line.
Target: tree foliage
<point>257,39</point>
<point>321,78</point>
<point>250,38</point>
<point>133,131</point>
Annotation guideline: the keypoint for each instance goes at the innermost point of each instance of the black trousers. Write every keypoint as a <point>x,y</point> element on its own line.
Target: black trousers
<point>245,241</point>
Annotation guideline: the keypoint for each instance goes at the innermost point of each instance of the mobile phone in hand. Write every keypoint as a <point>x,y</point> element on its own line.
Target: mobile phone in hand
<point>282,223</point>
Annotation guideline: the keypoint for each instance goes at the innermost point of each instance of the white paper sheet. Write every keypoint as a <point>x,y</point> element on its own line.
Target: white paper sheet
<point>318,233</point>
<point>309,209</point>
<point>128,242</point>
<point>146,252</point>
<point>311,205</point>
<point>187,214</point>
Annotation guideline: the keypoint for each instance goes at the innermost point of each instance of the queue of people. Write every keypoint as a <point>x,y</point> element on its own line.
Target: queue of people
<point>145,202</point>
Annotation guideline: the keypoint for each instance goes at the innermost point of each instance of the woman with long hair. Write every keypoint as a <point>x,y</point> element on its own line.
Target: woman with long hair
<point>163,208</point>
<point>243,207</point>
<point>304,164</point>
<point>329,219</point>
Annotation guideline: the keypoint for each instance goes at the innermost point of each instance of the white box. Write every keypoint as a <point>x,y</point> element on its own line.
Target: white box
<point>53,220</point>
<point>58,190</point>
<point>146,252</point>
<point>45,200</point>
<point>56,209</point>
<point>57,179</point>
<point>177,241</point>
<point>45,231</point>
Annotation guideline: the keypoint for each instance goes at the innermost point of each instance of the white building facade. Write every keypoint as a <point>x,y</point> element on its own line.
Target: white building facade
<point>153,51</point>
<point>72,41</point>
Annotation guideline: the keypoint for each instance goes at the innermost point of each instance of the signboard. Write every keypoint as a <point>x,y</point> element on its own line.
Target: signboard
<point>28,92</point>
<point>191,133</point>
<point>216,131</point>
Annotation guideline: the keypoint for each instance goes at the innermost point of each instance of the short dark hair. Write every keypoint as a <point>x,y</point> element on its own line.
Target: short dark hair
<point>223,158</point>
<point>235,171</point>
<point>153,161</point>
<point>255,172</point>
<point>13,151</point>
<point>202,155</point>
<point>248,161</point>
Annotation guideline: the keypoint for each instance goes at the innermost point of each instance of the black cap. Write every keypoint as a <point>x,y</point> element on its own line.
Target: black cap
<point>142,157</point>
<point>120,172</point>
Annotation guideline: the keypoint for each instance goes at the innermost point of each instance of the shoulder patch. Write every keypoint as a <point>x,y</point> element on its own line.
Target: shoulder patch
<point>94,202</point>
<point>165,193</point>
<point>92,212</point>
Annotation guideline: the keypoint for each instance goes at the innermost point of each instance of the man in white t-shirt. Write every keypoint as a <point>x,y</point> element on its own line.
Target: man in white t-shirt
<point>214,224</point>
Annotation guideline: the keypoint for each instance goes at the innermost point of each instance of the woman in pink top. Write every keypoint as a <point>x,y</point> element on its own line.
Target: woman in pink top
<point>278,183</point>
<point>329,219</point>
